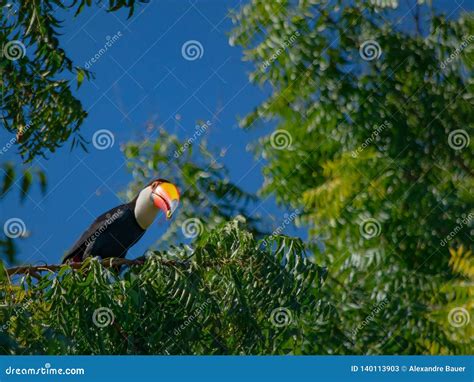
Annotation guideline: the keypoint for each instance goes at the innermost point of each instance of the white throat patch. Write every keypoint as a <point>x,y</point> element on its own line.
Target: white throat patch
<point>145,211</point>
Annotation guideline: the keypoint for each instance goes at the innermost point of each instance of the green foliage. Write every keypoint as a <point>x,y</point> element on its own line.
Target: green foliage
<point>8,248</point>
<point>371,161</point>
<point>23,182</point>
<point>222,297</point>
<point>38,104</point>
<point>453,308</point>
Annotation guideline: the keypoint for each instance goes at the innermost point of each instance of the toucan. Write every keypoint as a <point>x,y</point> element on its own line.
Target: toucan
<point>115,231</point>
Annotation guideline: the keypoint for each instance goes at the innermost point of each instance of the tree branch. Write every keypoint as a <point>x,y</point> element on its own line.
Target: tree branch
<point>107,263</point>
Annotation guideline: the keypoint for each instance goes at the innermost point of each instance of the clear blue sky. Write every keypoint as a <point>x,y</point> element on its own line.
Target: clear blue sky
<point>143,77</point>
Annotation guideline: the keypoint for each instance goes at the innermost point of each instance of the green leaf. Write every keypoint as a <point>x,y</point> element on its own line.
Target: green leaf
<point>26,182</point>
<point>80,77</point>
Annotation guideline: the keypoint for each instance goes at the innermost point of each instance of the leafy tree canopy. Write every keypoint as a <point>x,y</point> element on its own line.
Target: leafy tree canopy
<point>373,124</point>
<point>229,295</point>
<point>38,104</point>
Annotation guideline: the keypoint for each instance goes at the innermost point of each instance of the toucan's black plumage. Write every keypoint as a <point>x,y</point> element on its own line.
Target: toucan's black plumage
<point>110,235</point>
<point>114,232</point>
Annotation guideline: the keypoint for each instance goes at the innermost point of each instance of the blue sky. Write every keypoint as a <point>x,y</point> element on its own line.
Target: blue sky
<point>142,78</point>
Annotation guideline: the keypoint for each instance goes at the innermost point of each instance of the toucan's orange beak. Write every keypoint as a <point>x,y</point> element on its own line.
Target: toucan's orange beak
<point>166,197</point>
